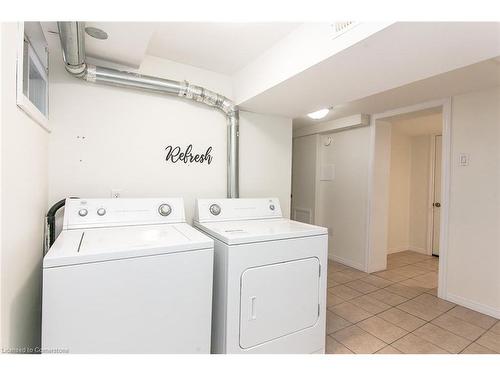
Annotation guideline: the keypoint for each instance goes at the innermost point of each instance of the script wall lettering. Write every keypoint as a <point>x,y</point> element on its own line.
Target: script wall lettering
<point>176,154</point>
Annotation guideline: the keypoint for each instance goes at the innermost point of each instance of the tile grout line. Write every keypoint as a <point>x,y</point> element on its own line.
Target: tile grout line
<point>426,291</point>
<point>395,306</point>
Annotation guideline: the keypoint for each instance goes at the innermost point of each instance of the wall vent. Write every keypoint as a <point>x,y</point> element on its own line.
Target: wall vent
<point>303,215</point>
<point>340,28</point>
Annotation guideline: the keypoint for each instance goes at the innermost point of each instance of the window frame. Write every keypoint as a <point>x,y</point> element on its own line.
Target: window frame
<point>22,100</point>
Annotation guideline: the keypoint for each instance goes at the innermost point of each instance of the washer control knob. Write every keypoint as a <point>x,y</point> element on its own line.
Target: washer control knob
<point>83,212</point>
<point>164,209</point>
<point>101,211</point>
<point>215,209</point>
<point>272,207</point>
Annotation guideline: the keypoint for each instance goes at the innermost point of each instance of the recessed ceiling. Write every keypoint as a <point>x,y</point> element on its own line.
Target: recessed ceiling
<point>219,47</point>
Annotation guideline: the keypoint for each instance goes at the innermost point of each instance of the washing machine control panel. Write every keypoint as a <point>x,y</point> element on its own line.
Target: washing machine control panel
<point>95,213</point>
<point>237,209</point>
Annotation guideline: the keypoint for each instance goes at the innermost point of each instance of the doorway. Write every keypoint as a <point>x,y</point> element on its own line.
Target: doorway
<point>429,235</point>
<point>414,182</point>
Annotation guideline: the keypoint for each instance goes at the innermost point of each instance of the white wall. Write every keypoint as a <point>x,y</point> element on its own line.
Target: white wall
<point>24,203</point>
<point>379,187</point>
<point>399,193</point>
<point>304,174</point>
<point>126,132</point>
<point>409,192</point>
<point>473,254</point>
<point>420,175</point>
<point>266,157</point>
<point>343,201</point>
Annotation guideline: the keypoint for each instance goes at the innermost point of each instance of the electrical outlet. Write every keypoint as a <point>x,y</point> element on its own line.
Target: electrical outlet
<point>116,193</point>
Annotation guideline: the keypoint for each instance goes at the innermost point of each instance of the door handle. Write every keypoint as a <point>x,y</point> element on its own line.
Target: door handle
<point>437,204</point>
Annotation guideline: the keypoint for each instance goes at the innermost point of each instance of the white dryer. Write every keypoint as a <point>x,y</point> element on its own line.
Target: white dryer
<point>269,278</point>
<point>127,276</point>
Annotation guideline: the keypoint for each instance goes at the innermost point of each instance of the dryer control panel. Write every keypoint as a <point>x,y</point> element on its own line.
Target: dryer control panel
<point>98,213</point>
<point>210,210</point>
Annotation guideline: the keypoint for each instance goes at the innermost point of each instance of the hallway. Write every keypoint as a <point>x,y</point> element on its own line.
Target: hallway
<point>397,311</point>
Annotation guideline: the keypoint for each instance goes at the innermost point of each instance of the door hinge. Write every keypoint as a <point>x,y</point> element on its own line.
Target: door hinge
<point>318,309</point>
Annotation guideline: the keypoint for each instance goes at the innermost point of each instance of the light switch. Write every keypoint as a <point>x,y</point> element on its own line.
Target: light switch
<point>463,160</point>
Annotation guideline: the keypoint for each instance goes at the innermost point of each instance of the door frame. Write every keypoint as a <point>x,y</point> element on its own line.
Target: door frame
<point>371,220</point>
<point>432,177</point>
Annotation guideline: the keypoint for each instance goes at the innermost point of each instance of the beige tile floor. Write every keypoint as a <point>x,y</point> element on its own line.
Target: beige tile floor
<point>397,311</point>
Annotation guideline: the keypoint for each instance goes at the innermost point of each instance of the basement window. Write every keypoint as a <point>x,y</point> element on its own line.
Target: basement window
<point>33,73</point>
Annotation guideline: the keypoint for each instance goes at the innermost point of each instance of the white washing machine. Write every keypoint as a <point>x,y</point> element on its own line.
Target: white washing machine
<point>127,276</point>
<point>269,278</point>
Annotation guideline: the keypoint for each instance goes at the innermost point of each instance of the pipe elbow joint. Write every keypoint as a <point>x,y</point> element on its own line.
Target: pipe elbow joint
<point>78,71</point>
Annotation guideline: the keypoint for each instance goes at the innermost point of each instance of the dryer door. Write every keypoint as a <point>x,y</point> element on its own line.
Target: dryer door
<point>277,300</point>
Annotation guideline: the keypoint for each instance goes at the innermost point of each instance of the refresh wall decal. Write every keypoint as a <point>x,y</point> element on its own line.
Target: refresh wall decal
<point>176,154</point>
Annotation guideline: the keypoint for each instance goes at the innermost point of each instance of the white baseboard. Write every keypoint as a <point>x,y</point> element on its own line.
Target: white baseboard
<point>397,249</point>
<point>473,305</point>
<point>377,268</point>
<point>405,248</point>
<point>347,262</point>
<point>418,250</point>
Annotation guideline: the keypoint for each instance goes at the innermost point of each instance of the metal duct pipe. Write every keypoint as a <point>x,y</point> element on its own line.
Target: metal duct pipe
<point>73,46</point>
<point>72,35</point>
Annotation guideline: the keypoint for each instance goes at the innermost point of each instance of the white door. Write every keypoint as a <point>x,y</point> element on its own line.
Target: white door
<point>277,300</point>
<point>436,206</point>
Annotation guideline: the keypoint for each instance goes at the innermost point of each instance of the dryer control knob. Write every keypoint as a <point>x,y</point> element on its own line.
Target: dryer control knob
<point>215,209</point>
<point>164,209</point>
<point>271,207</point>
<point>101,211</point>
<point>83,212</point>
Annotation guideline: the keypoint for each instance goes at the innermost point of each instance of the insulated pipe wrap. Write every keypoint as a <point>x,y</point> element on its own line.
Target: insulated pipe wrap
<point>91,73</point>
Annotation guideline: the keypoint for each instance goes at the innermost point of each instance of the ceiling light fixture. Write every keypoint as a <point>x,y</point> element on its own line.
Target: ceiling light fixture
<point>318,115</point>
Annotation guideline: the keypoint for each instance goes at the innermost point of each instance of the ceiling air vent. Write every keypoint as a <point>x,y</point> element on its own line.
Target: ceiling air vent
<point>340,28</point>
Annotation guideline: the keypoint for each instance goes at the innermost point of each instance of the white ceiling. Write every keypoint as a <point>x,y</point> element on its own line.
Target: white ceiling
<point>479,76</point>
<point>398,55</point>
<point>219,47</point>
<point>126,44</point>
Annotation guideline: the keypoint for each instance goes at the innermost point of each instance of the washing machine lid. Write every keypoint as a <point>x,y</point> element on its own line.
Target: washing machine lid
<point>249,231</point>
<point>103,244</point>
